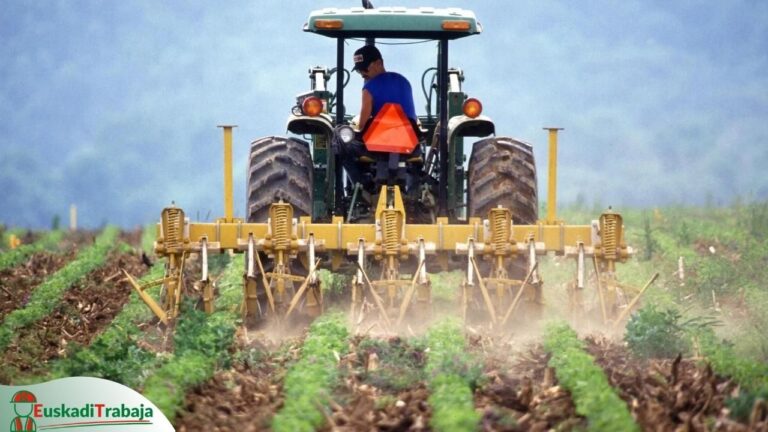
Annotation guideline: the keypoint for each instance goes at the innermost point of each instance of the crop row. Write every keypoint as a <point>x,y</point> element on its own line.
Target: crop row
<point>309,380</point>
<point>752,376</point>
<point>451,373</point>
<point>577,372</point>
<point>113,354</point>
<point>16,256</point>
<point>201,345</point>
<point>45,297</point>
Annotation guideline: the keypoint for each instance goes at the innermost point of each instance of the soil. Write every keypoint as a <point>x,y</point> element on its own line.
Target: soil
<point>84,310</point>
<point>243,398</point>
<point>668,394</point>
<point>16,283</point>
<point>521,394</point>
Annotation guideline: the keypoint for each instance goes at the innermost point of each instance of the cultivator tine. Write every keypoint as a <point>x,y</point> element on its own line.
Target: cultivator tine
<point>140,289</point>
<point>600,294</point>
<point>519,295</point>
<point>409,294</point>
<point>634,301</point>
<point>205,281</point>
<point>267,283</point>
<point>357,282</point>
<point>533,263</point>
<point>580,270</point>
<point>424,288</point>
<point>377,299</point>
<point>297,296</point>
<point>484,291</point>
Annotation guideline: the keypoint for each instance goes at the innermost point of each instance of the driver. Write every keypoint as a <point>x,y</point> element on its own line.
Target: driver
<point>380,86</point>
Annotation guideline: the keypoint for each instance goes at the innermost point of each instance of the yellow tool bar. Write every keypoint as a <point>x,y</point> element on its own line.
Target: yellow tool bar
<point>337,235</point>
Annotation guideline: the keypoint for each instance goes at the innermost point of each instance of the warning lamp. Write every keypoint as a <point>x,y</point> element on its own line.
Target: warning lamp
<point>312,106</point>
<point>329,24</point>
<point>454,25</point>
<point>472,108</point>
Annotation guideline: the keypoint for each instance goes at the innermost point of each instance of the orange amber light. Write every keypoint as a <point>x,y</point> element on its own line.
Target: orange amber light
<point>312,106</point>
<point>456,25</point>
<point>327,24</point>
<point>472,108</point>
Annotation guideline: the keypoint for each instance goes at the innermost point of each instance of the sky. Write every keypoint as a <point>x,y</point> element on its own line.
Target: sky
<point>114,106</point>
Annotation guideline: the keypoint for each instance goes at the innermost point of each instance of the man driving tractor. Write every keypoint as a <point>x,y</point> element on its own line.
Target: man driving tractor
<point>381,88</point>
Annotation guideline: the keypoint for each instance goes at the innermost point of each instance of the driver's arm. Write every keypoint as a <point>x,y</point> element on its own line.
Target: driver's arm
<point>365,110</point>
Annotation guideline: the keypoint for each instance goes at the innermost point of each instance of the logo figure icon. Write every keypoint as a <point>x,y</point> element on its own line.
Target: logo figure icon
<point>22,405</point>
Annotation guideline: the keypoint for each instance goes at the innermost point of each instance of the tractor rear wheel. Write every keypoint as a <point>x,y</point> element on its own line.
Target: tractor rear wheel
<point>502,171</point>
<point>279,168</point>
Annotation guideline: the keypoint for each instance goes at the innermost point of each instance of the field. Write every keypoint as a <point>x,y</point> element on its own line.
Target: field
<point>693,356</point>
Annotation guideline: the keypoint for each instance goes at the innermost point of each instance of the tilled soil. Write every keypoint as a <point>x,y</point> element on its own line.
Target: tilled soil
<point>17,283</point>
<point>521,394</point>
<point>83,311</point>
<point>244,398</point>
<point>669,395</point>
<point>372,397</point>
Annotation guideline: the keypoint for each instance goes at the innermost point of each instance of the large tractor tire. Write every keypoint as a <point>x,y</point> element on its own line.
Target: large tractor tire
<point>279,168</point>
<point>502,171</point>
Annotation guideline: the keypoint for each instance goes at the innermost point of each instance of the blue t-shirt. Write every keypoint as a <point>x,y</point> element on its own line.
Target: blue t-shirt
<point>391,87</point>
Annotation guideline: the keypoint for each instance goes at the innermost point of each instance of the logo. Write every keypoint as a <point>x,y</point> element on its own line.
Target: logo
<point>23,402</point>
<point>79,403</point>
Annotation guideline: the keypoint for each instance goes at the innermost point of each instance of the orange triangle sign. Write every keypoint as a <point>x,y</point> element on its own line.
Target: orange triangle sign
<point>390,131</point>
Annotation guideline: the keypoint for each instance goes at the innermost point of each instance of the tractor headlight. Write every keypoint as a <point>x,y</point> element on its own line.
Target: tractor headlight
<point>346,133</point>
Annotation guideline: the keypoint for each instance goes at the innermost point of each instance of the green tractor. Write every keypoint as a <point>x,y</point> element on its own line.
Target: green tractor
<point>408,211</point>
<point>433,179</point>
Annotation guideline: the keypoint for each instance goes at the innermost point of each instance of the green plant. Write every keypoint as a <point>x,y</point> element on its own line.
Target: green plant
<point>332,283</point>
<point>309,379</point>
<point>452,372</point>
<point>577,372</point>
<point>656,333</point>
<point>400,363</point>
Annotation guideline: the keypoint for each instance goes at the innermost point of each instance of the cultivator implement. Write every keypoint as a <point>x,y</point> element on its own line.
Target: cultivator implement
<point>400,254</point>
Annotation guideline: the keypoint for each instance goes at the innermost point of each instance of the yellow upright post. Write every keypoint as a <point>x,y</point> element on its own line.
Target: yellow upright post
<point>552,181</point>
<point>228,196</point>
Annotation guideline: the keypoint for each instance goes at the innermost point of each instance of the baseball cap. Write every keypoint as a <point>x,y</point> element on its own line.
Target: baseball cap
<point>365,56</point>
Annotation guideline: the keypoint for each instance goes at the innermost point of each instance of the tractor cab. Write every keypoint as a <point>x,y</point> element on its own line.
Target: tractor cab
<point>430,171</point>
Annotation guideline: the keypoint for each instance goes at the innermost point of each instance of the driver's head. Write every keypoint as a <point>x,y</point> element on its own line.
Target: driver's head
<point>368,61</point>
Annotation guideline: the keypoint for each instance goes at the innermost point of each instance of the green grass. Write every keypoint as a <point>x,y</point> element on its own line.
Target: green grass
<point>45,296</point>
<point>577,372</point>
<point>310,380</point>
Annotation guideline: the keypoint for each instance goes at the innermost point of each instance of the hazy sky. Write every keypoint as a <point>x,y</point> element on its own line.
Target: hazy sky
<point>113,105</point>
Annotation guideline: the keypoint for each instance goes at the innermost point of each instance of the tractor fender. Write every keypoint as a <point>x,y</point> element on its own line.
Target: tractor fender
<point>317,125</point>
<point>461,126</point>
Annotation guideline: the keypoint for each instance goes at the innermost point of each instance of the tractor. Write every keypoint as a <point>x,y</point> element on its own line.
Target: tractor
<point>406,213</point>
